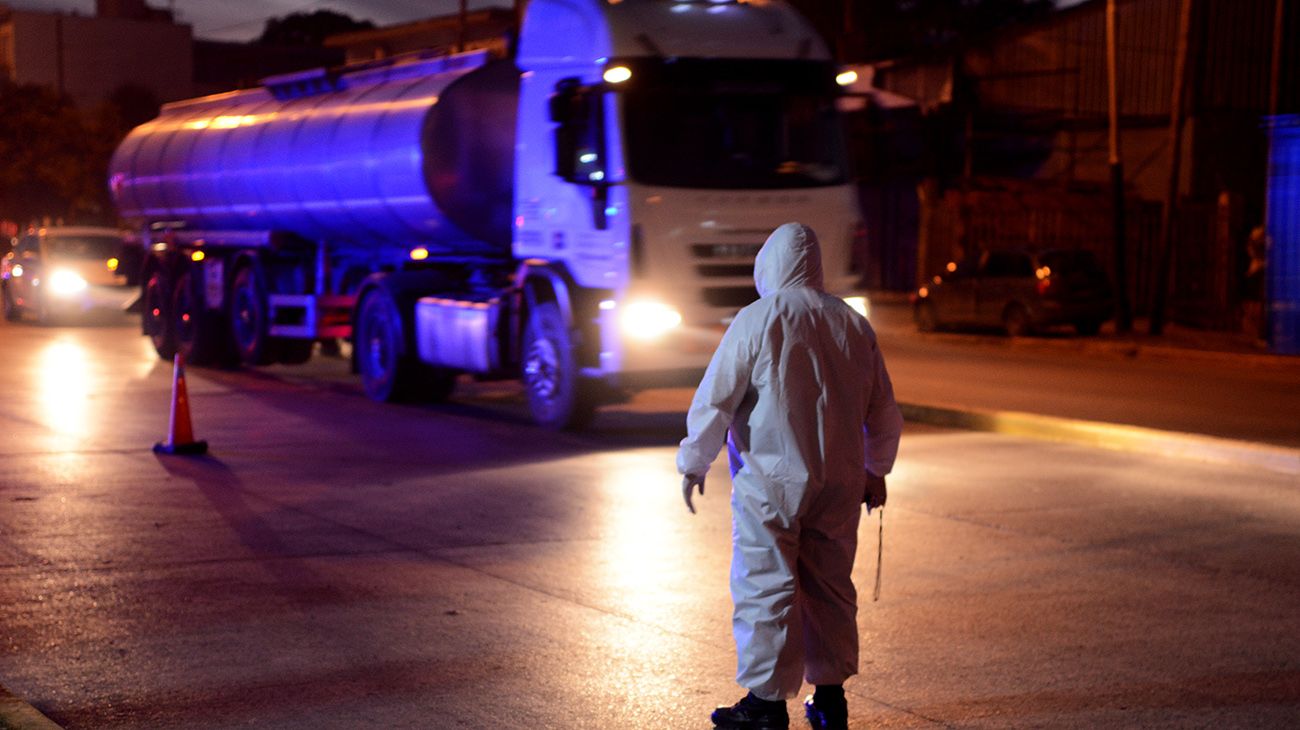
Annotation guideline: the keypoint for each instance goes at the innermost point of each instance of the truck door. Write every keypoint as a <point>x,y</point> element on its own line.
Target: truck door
<point>586,161</point>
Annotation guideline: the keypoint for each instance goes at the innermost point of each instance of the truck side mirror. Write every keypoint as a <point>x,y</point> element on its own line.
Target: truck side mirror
<point>579,114</point>
<point>564,108</point>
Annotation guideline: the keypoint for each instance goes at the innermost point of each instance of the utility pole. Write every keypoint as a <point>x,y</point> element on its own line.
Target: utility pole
<point>1164,264</point>
<point>1124,321</point>
<point>462,30</point>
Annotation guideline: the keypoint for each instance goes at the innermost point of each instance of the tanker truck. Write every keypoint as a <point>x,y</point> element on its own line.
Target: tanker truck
<point>582,216</point>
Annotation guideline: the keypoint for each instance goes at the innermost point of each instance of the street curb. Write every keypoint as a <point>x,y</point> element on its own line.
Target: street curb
<point>1105,346</point>
<point>1109,436</point>
<point>15,714</point>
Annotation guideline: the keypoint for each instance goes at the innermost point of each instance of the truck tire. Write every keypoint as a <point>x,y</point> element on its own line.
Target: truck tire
<point>249,317</point>
<point>155,315</point>
<point>200,334</point>
<point>557,396</point>
<point>388,372</point>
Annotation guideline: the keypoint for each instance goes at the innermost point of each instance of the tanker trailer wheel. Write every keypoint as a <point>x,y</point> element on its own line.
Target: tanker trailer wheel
<point>388,373</point>
<point>249,325</point>
<point>557,396</point>
<point>156,320</point>
<point>199,334</point>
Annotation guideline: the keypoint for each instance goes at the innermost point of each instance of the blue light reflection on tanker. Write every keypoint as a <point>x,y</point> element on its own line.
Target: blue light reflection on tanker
<point>344,163</point>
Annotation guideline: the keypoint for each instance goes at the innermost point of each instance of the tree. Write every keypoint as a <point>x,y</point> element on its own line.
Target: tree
<point>309,29</point>
<point>129,106</point>
<point>56,156</point>
<point>45,144</point>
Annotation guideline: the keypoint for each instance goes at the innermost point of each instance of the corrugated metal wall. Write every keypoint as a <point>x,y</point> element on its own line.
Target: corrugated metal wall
<point>1037,104</point>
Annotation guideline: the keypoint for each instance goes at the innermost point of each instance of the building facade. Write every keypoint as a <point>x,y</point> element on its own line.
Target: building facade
<point>491,29</point>
<point>89,58</point>
<point>1016,136</point>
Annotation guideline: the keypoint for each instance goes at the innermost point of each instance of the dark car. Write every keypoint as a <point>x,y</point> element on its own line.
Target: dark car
<point>1018,291</point>
<point>67,271</point>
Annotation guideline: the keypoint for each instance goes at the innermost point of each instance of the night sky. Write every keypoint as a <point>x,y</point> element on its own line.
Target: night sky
<point>240,20</point>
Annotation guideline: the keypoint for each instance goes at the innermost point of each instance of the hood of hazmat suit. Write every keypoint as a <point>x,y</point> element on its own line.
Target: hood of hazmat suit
<point>799,393</point>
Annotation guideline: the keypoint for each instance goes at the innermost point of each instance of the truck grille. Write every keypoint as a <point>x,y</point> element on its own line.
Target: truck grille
<point>745,251</point>
<point>727,261</point>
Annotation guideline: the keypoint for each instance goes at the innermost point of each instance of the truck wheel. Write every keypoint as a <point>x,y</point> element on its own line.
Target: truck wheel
<point>388,373</point>
<point>248,318</point>
<point>156,315</point>
<point>557,396</point>
<point>199,334</point>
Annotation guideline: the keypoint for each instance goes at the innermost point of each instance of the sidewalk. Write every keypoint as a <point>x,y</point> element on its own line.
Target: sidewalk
<point>891,316</point>
<point>893,310</point>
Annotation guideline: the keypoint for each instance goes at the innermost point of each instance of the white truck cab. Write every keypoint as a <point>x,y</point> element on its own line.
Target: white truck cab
<point>655,156</point>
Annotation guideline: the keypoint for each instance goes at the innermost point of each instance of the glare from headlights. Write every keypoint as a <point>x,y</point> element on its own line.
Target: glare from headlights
<point>649,320</point>
<point>64,283</point>
<point>858,304</point>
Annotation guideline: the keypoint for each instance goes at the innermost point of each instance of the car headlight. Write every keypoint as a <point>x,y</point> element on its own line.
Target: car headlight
<point>859,305</point>
<point>648,320</point>
<point>64,283</point>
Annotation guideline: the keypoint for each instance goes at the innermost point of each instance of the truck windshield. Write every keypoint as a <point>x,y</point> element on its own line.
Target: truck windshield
<point>712,124</point>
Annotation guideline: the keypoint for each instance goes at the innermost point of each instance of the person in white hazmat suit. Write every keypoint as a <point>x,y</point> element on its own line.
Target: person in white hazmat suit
<point>799,392</point>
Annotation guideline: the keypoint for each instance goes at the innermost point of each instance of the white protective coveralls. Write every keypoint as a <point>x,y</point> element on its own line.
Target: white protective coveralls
<point>799,390</point>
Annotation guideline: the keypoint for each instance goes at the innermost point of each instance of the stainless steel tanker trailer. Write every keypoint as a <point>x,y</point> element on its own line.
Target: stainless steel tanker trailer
<point>583,215</point>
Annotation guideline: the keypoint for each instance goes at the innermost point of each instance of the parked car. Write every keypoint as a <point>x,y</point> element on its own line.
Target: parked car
<point>52,272</point>
<point>1019,291</point>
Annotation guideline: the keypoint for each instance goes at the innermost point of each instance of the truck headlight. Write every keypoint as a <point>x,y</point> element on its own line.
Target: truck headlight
<point>648,320</point>
<point>66,283</point>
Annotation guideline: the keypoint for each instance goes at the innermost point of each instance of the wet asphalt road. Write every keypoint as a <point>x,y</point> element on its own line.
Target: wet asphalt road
<point>336,563</point>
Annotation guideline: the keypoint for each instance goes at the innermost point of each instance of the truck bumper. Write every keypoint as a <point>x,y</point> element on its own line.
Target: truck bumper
<point>678,358</point>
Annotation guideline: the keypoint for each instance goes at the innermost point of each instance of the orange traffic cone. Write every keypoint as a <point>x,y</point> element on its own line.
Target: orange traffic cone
<point>180,435</point>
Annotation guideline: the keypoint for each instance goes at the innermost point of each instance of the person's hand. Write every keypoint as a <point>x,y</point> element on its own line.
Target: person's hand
<point>689,482</point>
<point>875,494</point>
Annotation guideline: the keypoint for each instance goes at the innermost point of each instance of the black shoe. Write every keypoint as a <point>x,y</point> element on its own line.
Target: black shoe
<point>752,713</point>
<point>829,716</point>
